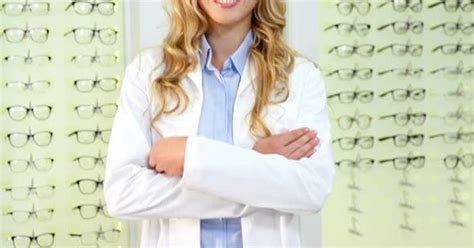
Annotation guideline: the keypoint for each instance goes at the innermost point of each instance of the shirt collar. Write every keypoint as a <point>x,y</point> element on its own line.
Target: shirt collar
<point>238,58</point>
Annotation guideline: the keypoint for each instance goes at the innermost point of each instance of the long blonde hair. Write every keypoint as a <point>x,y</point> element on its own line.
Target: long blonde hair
<point>273,59</point>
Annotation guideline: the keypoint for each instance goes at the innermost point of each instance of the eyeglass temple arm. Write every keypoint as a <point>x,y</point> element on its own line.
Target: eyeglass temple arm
<point>438,70</point>
<point>330,27</point>
<point>72,133</point>
<point>385,93</point>
<point>332,49</point>
<point>333,95</point>
<point>385,138</point>
<point>332,73</point>
<point>386,116</point>
<point>383,48</point>
<point>386,160</point>
<point>386,71</point>
<point>70,31</point>
<point>435,4</point>
<point>437,48</point>
<point>436,135</point>
<point>383,4</point>
<point>438,26</point>
<point>385,26</point>
<point>70,5</point>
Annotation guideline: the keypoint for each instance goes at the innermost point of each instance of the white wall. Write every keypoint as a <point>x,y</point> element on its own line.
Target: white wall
<point>146,25</point>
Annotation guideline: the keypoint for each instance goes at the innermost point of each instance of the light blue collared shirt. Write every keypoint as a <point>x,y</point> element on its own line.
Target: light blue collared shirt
<point>220,89</point>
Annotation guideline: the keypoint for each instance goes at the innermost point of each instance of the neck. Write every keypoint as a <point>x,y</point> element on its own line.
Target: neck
<point>225,39</point>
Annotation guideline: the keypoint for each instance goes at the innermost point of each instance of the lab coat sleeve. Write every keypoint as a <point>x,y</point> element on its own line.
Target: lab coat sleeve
<point>132,190</point>
<point>269,180</point>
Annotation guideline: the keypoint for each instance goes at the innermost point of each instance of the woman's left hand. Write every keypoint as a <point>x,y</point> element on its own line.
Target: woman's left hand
<point>167,155</point>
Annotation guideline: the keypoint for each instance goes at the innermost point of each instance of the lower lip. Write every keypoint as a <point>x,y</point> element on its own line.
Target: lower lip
<point>227,5</point>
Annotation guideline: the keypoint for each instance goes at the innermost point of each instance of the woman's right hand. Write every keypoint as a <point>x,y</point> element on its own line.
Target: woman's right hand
<point>294,144</point>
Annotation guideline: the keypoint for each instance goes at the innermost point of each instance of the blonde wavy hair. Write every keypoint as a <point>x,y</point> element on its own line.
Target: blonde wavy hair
<point>273,59</point>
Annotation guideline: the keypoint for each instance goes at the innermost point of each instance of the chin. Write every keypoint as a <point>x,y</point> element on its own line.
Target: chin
<point>225,19</point>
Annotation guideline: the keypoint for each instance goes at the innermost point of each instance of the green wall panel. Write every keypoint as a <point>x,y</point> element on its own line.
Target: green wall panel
<point>373,203</point>
<point>63,97</point>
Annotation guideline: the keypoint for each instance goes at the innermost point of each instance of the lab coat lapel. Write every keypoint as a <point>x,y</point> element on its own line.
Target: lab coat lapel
<point>244,102</point>
<point>196,77</point>
<point>248,75</point>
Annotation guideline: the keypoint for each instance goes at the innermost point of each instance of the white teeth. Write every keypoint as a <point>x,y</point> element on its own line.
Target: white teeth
<point>226,1</point>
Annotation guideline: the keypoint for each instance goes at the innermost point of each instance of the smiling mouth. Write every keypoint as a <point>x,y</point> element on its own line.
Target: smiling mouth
<point>227,3</point>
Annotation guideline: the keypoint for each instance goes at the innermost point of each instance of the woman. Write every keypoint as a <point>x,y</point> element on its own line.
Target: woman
<point>222,136</point>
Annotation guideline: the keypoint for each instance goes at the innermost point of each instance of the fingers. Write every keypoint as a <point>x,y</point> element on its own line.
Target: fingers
<point>305,149</point>
<point>301,141</point>
<point>308,148</point>
<point>151,161</point>
<point>158,168</point>
<point>152,164</point>
<point>309,153</point>
<point>289,136</point>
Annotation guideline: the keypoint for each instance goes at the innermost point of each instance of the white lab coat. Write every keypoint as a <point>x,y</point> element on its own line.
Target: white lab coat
<point>268,191</point>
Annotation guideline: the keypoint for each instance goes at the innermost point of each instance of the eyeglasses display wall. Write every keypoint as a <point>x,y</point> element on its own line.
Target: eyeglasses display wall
<point>399,78</point>
<point>62,63</point>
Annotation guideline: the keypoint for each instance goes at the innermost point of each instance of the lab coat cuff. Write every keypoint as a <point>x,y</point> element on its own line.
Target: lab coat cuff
<point>192,174</point>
